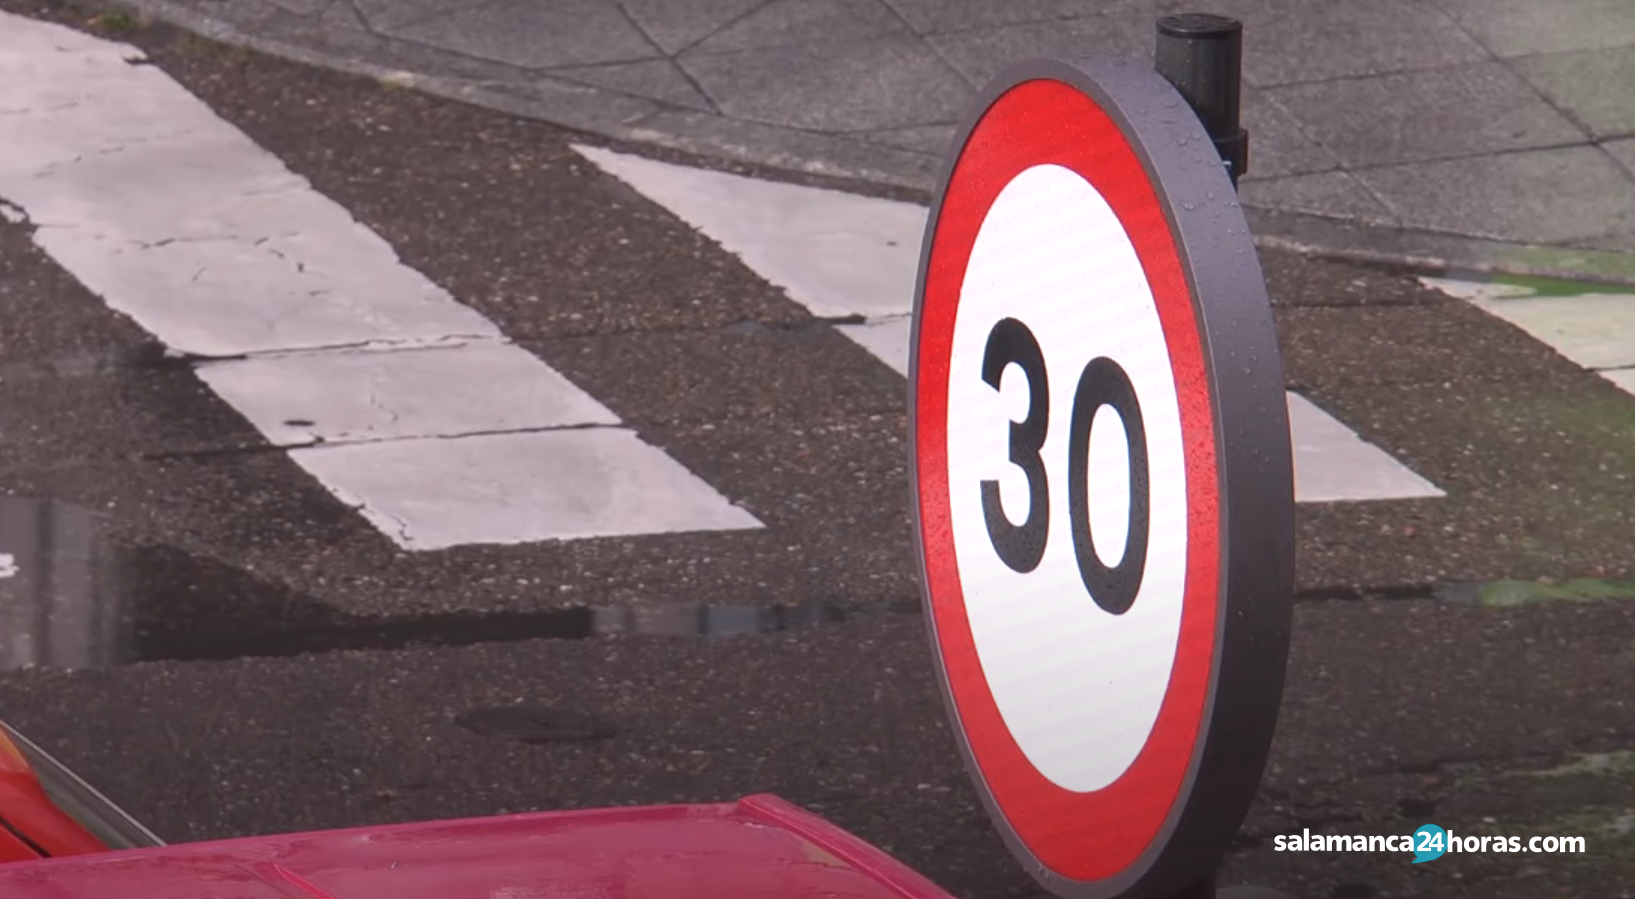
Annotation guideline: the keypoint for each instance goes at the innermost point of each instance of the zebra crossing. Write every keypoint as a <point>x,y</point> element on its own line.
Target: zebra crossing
<point>856,258</point>
<point>403,402</point>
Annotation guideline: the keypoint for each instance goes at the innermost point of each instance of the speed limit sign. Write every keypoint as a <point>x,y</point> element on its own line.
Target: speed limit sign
<point>1105,497</point>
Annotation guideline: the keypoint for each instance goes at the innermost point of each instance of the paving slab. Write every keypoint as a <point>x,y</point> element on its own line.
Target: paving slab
<point>1333,194</point>
<point>927,139</point>
<point>1345,40</point>
<point>1513,28</point>
<point>1281,145</point>
<point>787,23</point>
<point>887,82</point>
<point>674,27</point>
<point>1577,82</point>
<point>869,90</point>
<point>659,79</point>
<point>387,14</point>
<point>1479,108</point>
<point>981,53</point>
<point>307,7</point>
<point>1549,196</point>
<point>533,35</point>
<point>932,16</point>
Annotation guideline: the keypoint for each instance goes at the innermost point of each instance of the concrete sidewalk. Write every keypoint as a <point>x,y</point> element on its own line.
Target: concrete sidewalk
<point>1467,133</point>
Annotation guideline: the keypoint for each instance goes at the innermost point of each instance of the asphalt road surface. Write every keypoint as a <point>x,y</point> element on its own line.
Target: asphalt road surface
<point>227,646</point>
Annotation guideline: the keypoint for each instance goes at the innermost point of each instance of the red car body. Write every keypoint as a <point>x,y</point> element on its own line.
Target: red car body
<point>759,847</point>
<point>32,825</point>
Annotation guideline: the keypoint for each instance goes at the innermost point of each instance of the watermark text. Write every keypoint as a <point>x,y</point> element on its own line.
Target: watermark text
<point>1427,843</point>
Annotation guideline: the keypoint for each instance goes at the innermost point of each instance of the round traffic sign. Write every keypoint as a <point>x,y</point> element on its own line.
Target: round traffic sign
<point>1105,498</point>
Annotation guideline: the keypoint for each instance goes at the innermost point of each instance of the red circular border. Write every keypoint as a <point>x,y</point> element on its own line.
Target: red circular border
<point>1080,836</point>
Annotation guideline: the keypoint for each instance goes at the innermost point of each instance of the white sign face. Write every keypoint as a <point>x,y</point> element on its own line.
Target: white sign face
<point>1078,686</point>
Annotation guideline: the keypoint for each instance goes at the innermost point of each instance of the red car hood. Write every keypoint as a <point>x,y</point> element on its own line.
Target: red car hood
<point>757,847</point>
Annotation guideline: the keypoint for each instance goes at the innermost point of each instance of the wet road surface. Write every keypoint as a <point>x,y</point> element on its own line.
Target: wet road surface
<point>225,647</point>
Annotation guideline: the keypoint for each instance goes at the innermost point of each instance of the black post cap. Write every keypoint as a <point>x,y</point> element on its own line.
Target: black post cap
<point>1200,26</point>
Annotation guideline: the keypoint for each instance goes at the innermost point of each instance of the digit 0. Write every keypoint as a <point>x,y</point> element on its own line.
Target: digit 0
<point>1102,383</point>
<point>1105,383</point>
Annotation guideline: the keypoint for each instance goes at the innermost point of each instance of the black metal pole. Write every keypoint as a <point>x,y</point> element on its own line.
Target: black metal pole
<point>1202,55</point>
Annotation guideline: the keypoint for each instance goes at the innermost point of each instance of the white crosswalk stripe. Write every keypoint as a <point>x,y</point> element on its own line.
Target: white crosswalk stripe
<point>402,401</point>
<point>843,255</point>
